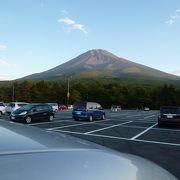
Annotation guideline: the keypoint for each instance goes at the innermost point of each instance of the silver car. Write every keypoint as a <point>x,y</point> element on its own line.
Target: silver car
<point>28,153</point>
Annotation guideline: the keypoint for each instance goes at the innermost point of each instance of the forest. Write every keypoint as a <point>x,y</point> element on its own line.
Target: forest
<point>129,96</point>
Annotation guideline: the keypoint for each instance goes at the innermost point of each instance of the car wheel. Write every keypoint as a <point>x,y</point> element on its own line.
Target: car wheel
<point>159,124</point>
<point>51,117</point>
<point>76,119</point>
<point>28,119</point>
<point>90,118</point>
<point>103,117</point>
<point>0,113</point>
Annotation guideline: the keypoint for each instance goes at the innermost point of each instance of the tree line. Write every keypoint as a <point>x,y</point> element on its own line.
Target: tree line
<point>105,93</point>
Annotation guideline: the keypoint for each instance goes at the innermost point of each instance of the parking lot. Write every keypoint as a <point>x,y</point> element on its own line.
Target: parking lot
<point>134,132</point>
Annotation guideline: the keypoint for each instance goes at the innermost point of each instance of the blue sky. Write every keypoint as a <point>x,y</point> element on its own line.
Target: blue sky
<point>36,35</point>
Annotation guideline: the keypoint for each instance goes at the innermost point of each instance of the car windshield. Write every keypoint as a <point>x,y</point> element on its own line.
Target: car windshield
<point>79,106</point>
<point>1,104</point>
<point>169,110</point>
<point>26,107</point>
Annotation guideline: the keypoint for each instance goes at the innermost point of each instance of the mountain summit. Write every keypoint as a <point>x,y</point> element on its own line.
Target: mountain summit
<point>99,63</point>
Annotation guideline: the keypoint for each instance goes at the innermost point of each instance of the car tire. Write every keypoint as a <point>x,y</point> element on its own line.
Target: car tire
<point>51,117</point>
<point>159,124</point>
<point>90,118</point>
<point>28,119</point>
<point>76,119</point>
<point>0,113</point>
<point>103,117</point>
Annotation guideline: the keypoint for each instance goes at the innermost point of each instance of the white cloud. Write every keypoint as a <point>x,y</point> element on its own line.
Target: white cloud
<point>5,77</point>
<point>64,12</point>
<point>176,72</point>
<point>5,63</point>
<point>66,21</point>
<point>3,47</point>
<point>173,18</point>
<point>72,25</point>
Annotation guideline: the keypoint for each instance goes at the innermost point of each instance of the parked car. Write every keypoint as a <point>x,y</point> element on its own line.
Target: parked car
<point>2,108</point>
<point>70,107</point>
<point>169,115</point>
<point>62,107</point>
<point>88,110</point>
<point>33,112</point>
<point>12,106</point>
<point>146,108</point>
<point>54,106</point>
<point>28,153</point>
<point>115,108</point>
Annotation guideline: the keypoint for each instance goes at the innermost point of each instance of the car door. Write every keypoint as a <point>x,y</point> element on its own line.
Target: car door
<point>37,113</point>
<point>95,110</point>
<point>100,111</point>
<point>45,112</point>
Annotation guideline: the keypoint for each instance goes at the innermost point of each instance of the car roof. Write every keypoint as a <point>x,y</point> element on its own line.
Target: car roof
<point>164,107</point>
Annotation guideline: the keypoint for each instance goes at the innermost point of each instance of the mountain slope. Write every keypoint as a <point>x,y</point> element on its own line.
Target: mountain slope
<point>99,64</point>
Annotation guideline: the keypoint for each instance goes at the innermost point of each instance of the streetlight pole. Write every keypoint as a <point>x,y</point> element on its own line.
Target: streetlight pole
<point>13,93</point>
<point>68,94</point>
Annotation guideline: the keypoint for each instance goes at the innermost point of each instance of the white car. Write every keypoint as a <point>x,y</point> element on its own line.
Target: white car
<point>12,106</point>
<point>70,107</point>
<point>2,108</point>
<point>115,108</point>
<point>146,109</point>
<point>54,106</point>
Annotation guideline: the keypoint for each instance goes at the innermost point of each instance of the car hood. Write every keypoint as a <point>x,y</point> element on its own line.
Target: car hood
<point>30,153</point>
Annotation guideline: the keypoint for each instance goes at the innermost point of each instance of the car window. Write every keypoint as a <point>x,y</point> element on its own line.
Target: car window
<point>2,104</point>
<point>26,107</point>
<point>39,108</point>
<point>99,106</point>
<point>21,104</point>
<point>172,110</point>
<point>79,106</point>
<point>11,105</point>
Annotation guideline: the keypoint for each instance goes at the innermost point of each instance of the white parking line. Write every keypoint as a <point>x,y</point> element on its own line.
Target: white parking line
<point>140,127</point>
<point>120,138</point>
<point>73,125</point>
<point>149,116</point>
<point>48,122</point>
<point>97,130</point>
<point>135,137</point>
<point>133,115</point>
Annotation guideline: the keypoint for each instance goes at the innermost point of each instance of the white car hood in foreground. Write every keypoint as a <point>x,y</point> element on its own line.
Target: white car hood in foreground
<point>28,153</point>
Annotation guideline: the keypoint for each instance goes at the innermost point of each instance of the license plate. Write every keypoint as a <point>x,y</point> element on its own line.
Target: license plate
<point>169,116</point>
<point>77,112</point>
<point>12,117</point>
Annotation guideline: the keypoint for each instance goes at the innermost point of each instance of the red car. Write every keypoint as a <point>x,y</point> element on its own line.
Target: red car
<point>62,107</point>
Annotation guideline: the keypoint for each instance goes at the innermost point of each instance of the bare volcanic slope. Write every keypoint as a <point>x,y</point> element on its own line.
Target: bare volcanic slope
<point>100,64</point>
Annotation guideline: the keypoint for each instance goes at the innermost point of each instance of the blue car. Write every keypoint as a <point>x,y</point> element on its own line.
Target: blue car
<point>88,110</point>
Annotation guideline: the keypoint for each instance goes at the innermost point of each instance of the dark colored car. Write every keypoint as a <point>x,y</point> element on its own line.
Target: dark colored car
<point>169,115</point>
<point>29,153</point>
<point>33,112</point>
<point>88,110</point>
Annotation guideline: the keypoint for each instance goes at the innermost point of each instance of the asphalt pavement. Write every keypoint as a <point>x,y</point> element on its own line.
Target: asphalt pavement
<point>134,132</point>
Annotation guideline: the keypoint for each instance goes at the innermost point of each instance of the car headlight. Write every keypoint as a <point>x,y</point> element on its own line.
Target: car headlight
<point>23,113</point>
